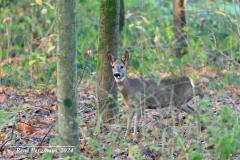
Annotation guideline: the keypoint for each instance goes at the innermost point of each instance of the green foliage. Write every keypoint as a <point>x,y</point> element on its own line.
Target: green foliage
<point>196,156</point>
<point>3,116</point>
<point>47,156</point>
<point>134,152</point>
<point>226,133</point>
<point>223,132</point>
<point>148,33</point>
<point>28,57</point>
<point>205,102</point>
<point>109,151</point>
<point>27,30</point>
<point>94,144</point>
<point>224,81</point>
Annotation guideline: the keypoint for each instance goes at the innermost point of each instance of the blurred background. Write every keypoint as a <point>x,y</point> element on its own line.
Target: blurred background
<point>28,39</point>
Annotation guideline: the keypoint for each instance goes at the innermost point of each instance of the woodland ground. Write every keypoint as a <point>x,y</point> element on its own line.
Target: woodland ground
<point>28,107</point>
<point>165,133</point>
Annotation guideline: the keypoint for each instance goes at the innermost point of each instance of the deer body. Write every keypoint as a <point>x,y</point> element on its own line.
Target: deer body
<point>154,95</point>
<point>141,93</point>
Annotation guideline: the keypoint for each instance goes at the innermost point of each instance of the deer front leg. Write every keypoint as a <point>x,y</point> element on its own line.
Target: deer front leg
<point>129,121</point>
<point>137,117</point>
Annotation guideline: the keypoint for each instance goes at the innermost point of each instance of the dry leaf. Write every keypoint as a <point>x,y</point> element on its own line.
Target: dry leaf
<point>164,74</point>
<point>38,2</point>
<point>2,97</point>
<point>233,89</point>
<point>211,146</point>
<point>1,90</point>
<point>190,71</point>
<point>190,117</point>
<point>24,128</point>
<point>3,137</point>
<point>46,121</point>
<point>131,136</point>
<point>51,48</point>
<point>40,133</point>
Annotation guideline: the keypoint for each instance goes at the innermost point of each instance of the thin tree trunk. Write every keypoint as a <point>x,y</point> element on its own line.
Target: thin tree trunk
<point>108,43</point>
<point>66,74</point>
<point>122,15</point>
<point>179,24</point>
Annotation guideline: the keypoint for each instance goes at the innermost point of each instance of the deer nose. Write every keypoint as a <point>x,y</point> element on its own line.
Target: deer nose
<point>116,75</point>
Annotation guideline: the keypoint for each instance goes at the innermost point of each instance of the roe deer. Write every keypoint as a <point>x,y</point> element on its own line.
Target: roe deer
<point>140,93</point>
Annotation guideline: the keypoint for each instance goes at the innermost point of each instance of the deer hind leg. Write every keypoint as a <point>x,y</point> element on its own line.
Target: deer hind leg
<point>186,107</point>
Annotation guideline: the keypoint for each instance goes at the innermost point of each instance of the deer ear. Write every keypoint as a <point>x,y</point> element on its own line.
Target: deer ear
<point>125,57</point>
<point>111,57</point>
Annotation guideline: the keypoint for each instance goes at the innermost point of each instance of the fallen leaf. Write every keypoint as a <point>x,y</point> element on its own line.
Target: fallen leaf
<point>164,74</point>
<point>206,71</point>
<point>211,146</point>
<point>233,89</point>
<point>3,137</point>
<point>1,90</point>
<point>130,136</point>
<point>24,128</point>
<point>46,121</point>
<point>83,143</point>
<point>2,97</point>
<point>190,117</point>
<point>39,133</point>
<point>190,71</point>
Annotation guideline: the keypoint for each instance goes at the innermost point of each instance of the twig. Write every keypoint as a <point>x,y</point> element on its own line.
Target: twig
<point>45,135</point>
<point>228,58</point>
<point>4,143</point>
<point>81,76</point>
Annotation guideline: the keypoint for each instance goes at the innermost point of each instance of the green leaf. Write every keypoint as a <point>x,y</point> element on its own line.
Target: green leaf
<point>203,57</point>
<point>47,156</point>
<point>196,156</point>
<point>135,63</point>
<point>205,102</point>
<point>6,68</point>
<point>134,152</point>
<point>31,62</point>
<point>186,59</point>
<point>226,146</point>
<point>3,116</point>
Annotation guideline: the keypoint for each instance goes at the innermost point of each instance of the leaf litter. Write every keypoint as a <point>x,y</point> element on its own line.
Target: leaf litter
<point>33,113</point>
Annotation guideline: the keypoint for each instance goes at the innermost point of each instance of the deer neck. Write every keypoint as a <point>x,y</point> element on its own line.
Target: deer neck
<point>123,86</point>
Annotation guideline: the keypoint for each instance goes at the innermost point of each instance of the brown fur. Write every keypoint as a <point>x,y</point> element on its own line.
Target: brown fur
<point>141,93</point>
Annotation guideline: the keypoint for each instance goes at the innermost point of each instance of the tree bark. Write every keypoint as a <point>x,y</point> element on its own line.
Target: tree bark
<point>66,74</point>
<point>179,24</point>
<point>108,43</point>
<point>122,15</point>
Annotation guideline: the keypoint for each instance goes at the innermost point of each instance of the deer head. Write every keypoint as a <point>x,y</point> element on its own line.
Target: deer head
<point>119,67</point>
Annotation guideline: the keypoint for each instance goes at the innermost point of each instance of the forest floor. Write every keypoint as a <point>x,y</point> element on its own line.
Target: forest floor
<point>32,118</point>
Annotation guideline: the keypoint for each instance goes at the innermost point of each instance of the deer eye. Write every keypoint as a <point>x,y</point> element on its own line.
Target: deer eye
<point>121,67</point>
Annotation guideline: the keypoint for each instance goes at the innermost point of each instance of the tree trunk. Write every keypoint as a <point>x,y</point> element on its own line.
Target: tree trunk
<point>108,43</point>
<point>122,15</point>
<point>179,24</point>
<point>66,74</point>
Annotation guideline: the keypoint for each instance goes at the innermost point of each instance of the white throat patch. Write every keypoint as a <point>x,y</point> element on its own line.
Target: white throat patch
<point>119,80</point>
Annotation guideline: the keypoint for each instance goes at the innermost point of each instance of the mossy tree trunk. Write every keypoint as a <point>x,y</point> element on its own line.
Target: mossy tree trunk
<point>179,7</point>
<point>108,43</point>
<point>66,74</point>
